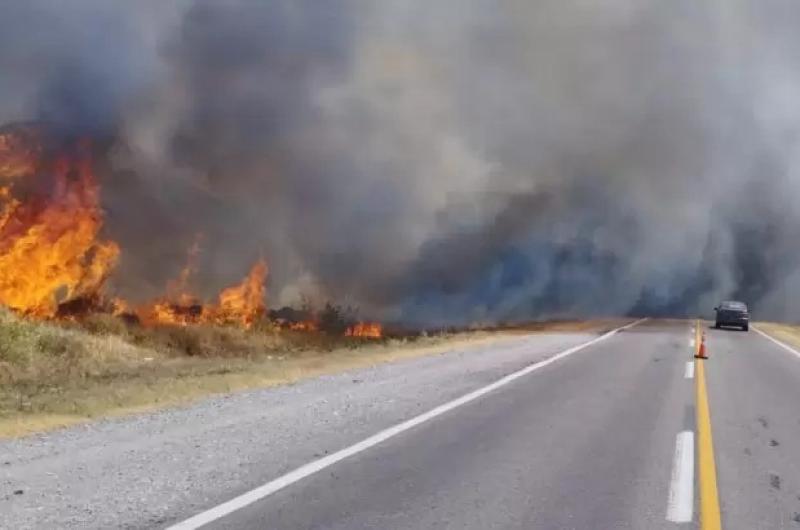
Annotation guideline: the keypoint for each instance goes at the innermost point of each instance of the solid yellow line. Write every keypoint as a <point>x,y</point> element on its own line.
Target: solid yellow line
<point>709,497</point>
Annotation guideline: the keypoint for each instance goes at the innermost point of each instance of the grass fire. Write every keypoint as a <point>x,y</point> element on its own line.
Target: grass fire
<point>64,328</point>
<point>55,258</point>
<point>50,220</point>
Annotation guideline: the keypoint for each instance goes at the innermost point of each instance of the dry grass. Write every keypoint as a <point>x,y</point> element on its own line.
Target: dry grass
<point>570,326</point>
<point>788,333</point>
<point>53,376</point>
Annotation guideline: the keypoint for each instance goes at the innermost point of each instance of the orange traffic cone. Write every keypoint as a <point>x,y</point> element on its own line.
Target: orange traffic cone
<point>701,350</point>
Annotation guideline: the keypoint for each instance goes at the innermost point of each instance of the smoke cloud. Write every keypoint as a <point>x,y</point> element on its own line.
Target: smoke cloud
<point>436,162</point>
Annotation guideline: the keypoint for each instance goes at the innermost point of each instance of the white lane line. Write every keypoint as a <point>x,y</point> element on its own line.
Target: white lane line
<point>689,373</point>
<point>680,503</point>
<point>776,341</point>
<point>316,466</point>
<point>692,342</point>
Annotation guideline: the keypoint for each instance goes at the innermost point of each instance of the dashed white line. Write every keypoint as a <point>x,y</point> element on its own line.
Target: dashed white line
<point>689,373</point>
<point>316,466</point>
<point>680,503</point>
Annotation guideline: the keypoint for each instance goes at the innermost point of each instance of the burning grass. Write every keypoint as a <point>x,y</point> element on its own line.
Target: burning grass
<point>55,259</point>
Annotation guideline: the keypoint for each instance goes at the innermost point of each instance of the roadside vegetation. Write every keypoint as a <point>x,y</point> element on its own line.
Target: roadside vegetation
<point>54,374</point>
<point>788,333</point>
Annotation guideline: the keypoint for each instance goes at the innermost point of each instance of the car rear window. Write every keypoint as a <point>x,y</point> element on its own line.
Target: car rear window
<point>734,305</point>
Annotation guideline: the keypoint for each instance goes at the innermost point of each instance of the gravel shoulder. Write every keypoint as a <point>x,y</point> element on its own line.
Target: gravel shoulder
<point>152,469</point>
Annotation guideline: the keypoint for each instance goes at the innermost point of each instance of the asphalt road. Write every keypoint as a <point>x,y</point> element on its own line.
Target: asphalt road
<point>586,441</point>
<point>754,394</point>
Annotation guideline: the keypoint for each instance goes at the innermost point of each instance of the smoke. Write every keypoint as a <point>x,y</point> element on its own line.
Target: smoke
<point>436,162</point>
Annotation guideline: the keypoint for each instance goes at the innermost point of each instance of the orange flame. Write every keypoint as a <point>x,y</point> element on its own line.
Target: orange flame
<point>244,303</point>
<point>52,261</point>
<point>178,289</point>
<point>241,304</point>
<point>165,312</point>
<point>178,305</point>
<point>49,247</point>
<point>120,306</point>
<point>371,330</point>
<point>304,325</point>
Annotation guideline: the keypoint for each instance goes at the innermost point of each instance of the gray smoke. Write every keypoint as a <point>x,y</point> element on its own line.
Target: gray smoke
<point>436,162</point>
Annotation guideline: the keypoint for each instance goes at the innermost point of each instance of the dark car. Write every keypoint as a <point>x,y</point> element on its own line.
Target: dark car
<point>732,314</point>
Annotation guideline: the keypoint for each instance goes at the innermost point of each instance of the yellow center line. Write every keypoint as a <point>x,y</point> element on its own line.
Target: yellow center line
<point>709,497</point>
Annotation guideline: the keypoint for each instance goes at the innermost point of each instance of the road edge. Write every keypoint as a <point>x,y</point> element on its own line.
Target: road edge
<point>777,342</point>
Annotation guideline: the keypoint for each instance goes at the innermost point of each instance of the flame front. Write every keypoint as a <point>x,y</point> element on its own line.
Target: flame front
<point>244,303</point>
<point>241,304</point>
<point>54,264</point>
<point>178,305</point>
<point>49,246</point>
<point>371,330</point>
<point>304,325</point>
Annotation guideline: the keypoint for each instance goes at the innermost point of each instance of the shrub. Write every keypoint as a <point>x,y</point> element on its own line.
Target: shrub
<point>334,319</point>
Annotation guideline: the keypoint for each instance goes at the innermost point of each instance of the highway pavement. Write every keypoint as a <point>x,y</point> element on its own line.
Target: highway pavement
<point>624,430</point>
